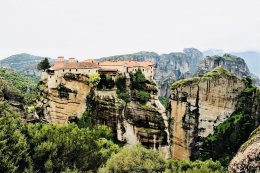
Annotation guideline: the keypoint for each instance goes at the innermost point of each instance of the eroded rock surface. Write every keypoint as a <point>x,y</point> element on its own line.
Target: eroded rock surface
<point>198,104</point>
<point>248,157</point>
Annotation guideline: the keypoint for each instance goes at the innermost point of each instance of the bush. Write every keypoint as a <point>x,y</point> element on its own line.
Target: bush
<point>138,80</point>
<point>134,159</point>
<point>165,101</point>
<point>124,96</point>
<point>47,148</point>
<point>106,82</point>
<point>143,96</point>
<point>121,83</point>
<point>94,79</point>
<point>197,166</point>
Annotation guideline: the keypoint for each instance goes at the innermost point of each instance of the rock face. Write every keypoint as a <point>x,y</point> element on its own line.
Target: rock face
<point>66,101</point>
<point>198,104</point>
<point>130,121</point>
<point>232,63</point>
<point>248,157</point>
<point>168,67</point>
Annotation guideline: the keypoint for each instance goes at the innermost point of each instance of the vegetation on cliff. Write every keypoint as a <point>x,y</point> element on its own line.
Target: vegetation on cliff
<point>20,85</point>
<point>44,64</point>
<point>140,159</point>
<point>233,132</point>
<point>214,74</point>
<point>26,147</point>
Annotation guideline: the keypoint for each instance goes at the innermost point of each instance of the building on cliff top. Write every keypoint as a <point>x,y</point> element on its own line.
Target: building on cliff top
<point>61,66</point>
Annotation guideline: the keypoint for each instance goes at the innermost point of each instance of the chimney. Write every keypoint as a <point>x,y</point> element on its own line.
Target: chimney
<point>72,59</point>
<point>60,59</point>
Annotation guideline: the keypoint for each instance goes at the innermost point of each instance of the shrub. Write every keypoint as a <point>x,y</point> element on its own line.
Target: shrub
<point>124,96</point>
<point>106,82</point>
<point>135,159</point>
<point>94,79</point>
<point>143,96</point>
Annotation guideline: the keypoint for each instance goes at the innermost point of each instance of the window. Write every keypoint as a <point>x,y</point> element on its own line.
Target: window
<point>63,70</point>
<point>143,69</point>
<point>88,70</point>
<point>56,81</point>
<point>76,69</point>
<point>70,70</point>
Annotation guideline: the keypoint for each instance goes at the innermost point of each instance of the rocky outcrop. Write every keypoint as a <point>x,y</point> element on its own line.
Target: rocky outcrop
<point>66,101</point>
<point>130,120</point>
<point>198,105</point>
<point>232,63</point>
<point>168,67</point>
<point>248,157</point>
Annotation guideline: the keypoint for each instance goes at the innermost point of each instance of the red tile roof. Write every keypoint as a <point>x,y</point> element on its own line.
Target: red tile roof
<point>74,65</point>
<point>127,63</point>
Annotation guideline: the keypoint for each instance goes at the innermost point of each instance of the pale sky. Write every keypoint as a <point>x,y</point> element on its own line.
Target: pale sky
<point>97,28</point>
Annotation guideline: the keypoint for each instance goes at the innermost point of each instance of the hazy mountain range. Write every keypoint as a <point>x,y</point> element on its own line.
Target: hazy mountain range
<point>252,58</point>
<point>26,63</point>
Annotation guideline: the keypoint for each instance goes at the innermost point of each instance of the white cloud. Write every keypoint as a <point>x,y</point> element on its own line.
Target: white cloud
<point>87,28</point>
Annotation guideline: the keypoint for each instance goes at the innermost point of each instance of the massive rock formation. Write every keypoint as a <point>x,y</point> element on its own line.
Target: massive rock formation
<point>67,100</point>
<point>232,63</point>
<point>168,67</point>
<point>248,157</point>
<point>130,120</point>
<point>200,103</point>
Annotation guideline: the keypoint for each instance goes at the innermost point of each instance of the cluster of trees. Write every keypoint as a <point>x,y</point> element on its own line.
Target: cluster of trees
<point>139,83</point>
<point>39,147</point>
<point>106,82</point>
<point>140,159</point>
<point>122,91</point>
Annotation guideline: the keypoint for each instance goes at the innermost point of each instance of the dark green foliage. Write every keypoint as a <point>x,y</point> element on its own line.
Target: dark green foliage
<point>197,166</point>
<point>17,84</point>
<point>47,148</point>
<point>139,159</point>
<point>232,133</point>
<point>122,91</point>
<point>44,64</point>
<point>143,96</point>
<point>135,159</point>
<point>165,101</point>
<point>124,95</point>
<point>14,149</point>
<point>106,82</point>
<point>121,83</point>
<point>138,80</point>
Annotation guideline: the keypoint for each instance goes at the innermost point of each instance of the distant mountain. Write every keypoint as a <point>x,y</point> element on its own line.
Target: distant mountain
<point>23,63</point>
<point>252,58</point>
<point>232,63</point>
<point>212,52</point>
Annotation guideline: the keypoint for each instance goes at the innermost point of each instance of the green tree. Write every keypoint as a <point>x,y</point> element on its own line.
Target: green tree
<point>14,149</point>
<point>94,79</point>
<point>44,64</point>
<point>143,96</point>
<point>134,159</point>
<point>138,81</point>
